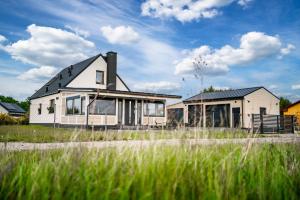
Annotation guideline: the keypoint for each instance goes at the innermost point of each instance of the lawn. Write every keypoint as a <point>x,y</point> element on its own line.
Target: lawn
<point>264,171</point>
<point>35,133</point>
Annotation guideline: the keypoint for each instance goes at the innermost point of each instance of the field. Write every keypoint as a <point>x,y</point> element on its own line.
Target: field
<point>34,133</point>
<point>184,171</point>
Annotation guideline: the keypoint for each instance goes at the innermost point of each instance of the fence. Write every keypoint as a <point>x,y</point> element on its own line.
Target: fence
<point>273,123</point>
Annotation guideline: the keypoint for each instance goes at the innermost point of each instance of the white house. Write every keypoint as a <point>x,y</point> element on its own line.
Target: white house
<point>231,108</point>
<point>92,93</point>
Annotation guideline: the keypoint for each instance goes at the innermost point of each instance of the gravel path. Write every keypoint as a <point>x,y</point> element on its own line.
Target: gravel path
<point>20,146</point>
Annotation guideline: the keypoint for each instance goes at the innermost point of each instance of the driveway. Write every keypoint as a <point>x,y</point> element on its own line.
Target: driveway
<point>20,146</point>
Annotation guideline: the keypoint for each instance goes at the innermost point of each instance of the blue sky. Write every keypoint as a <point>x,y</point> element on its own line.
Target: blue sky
<point>245,43</point>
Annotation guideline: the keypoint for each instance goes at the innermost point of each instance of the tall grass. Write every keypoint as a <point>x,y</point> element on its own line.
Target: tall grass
<point>35,133</point>
<point>183,172</point>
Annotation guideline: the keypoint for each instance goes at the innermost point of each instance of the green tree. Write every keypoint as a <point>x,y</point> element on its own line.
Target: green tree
<point>212,89</point>
<point>284,102</point>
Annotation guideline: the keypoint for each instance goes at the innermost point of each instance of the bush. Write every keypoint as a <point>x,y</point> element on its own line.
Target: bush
<point>6,119</point>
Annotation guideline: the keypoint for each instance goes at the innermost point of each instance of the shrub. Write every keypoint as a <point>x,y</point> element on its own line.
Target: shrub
<point>6,119</point>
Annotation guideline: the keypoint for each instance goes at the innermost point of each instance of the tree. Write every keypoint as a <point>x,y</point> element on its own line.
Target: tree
<point>212,89</point>
<point>284,103</point>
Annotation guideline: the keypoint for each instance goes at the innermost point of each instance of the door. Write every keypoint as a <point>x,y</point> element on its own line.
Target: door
<point>129,112</point>
<point>194,115</point>
<point>236,117</point>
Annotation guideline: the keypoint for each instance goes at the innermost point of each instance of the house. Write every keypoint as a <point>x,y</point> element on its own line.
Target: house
<point>230,108</point>
<point>11,109</point>
<point>293,109</point>
<point>91,93</point>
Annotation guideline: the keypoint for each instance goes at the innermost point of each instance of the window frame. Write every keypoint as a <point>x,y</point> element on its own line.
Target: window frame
<point>40,109</point>
<point>51,106</point>
<point>102,77</point>
<point>111,114</point>
<point>73,100</point>
<point>156,103</point>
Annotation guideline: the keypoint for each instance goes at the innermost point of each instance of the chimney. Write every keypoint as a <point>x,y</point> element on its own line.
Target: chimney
<point>111,60</point>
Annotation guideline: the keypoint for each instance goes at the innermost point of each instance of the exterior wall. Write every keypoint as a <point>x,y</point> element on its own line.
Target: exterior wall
<point>3,110</point>
<point>179,105</point>
<point>120,85</point>
<point>257,99</point>
<point>45,116</point>
<point>152,121</point>
<point>294,110</point>
<point>87,78</point>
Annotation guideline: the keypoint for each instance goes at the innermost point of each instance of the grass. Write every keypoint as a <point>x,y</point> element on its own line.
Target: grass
<point>35,133</point>
<point>264,171</point>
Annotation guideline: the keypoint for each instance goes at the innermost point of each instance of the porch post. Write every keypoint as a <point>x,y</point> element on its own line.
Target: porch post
<point>204,115</point>
<point>117,110</point>
<point>123,113</point>
<point>142,113</point>
<point>135,113</point>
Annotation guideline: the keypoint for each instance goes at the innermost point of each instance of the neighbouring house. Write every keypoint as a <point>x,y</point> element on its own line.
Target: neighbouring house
<point>91,93</point>
<point>293,109</point>
<point>230,108</point>
<point>11,109</point>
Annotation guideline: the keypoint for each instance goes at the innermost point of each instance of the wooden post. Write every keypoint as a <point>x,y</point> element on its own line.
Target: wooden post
<point>261,123</point>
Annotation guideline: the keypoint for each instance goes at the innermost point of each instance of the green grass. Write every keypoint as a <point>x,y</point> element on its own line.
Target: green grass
<point>184,172</point>
<point>34,133</point>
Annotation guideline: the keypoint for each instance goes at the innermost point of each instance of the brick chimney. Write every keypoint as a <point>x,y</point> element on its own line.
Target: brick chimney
<point>111,60</point>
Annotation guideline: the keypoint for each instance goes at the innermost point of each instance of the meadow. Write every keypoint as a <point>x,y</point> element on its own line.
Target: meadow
<point>36,133</point>
<point>253,171</point>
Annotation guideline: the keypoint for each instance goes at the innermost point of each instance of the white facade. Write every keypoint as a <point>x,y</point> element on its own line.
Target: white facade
<point>3,110</point>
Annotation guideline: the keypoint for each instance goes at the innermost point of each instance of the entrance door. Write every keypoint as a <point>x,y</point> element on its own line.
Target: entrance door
<point>236,117</point>
<point>129,112</point>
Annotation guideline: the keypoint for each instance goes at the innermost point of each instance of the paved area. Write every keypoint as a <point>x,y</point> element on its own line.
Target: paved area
<point>19,146</point>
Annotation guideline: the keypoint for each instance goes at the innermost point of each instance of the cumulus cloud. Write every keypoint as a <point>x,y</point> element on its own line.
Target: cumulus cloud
<point>120,34</point>
<point>2,38</point>
<point>186,10</point>
<point>78,31</point>
<point>38,73</point>
<point>296,87</point>
<point>286,50</point>
<point>49,46</point>
<point>253,46</point>
<point>162,86</point>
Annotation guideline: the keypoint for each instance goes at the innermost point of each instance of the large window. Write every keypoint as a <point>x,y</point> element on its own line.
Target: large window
<point>51,106</point>
<point>155,109</point>
<point>218,115</point>
<point>75,105</point>
<point>99,77</point>
<point>103,107</point>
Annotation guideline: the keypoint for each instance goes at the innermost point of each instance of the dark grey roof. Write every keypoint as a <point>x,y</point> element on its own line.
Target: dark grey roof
<point>227,94</point>
<point>62,79</point>
<point>12,108</point>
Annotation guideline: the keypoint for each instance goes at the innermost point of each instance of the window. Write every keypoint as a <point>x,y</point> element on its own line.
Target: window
<point>99,77</point>
<point>74,105</point>
<point>155,109</point>
<point>40,109</point>
<point>51,106</point>
<point>262,111</point>
<point>103,107</point>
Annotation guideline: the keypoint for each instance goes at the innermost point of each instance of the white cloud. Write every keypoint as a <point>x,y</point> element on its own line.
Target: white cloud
<point>273,86</point>
<point>78,31</point>
<point>286,50</point>
<point>51,47</point>
<point>2,38</point>
<point>186,10</point>
<point>296,87</point>
<point>253,46</point>
<point>120,34</point>
<point>38,73</point>
<point>162,86</point>
<point>244,2</point>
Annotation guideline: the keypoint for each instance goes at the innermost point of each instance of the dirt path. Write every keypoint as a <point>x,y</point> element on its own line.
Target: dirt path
<point>19,146</point>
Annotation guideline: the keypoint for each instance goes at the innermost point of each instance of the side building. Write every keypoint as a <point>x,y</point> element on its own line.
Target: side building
<point>231,108</point>
<point>91,93</point>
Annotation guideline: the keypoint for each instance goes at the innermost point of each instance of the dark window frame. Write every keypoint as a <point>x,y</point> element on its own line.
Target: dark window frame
<point>108,114</point>
<point>73,98</point>
<point>102,77</point>
<point>40,109</point>
<point>146,108</point>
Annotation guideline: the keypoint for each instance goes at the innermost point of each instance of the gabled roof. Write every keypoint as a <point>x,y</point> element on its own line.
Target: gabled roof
<point>293,104</point>
<point>12,108</point>
<point>63,78</point>
<point>222,95</point>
